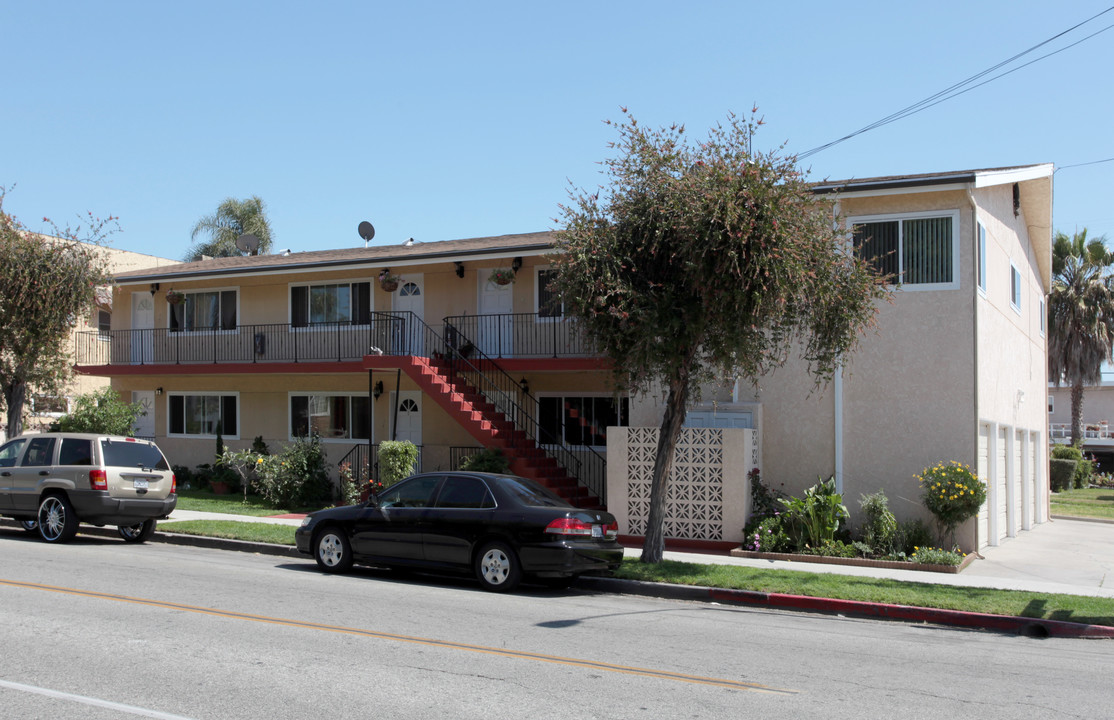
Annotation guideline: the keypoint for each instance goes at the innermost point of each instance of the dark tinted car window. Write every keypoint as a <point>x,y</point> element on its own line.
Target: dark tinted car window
<point>9,453</point>
<point>465,492</point>
<point>75,451</point>
<point>40,451</point>
<point>528,492</point>
<point>410,493</point>
<point>119,453</point>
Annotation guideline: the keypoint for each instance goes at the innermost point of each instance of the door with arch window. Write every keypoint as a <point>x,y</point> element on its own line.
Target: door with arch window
<point>407,424</point>
<point>410,298</point>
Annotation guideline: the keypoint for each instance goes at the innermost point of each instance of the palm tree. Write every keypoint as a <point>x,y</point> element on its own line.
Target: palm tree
<point>1080,328</point>
<point>1094,251</point>
<point>232,219</point>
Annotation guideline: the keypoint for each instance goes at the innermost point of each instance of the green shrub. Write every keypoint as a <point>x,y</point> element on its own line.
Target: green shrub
<point>1061,473</point>
<point>814,519</point>
<point>953,494</point>
<point>1066,452</point>
<point>103,411</point>
<point>880,527</point>
<point>936,556</point>
<point>911,535</point>
<point>296,477</point>
<point>259,447</point>
<point>396,461</point>
<point>489,460</point>
<point>832,548</point>
<point>1081,478</point>
<point>767,535</point>
<point>184,476</point>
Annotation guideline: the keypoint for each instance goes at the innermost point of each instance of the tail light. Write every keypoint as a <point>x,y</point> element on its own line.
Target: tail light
<point>173,484</point>
<point>612,531</point>
<point>569,527</point>
<point>98,479</point>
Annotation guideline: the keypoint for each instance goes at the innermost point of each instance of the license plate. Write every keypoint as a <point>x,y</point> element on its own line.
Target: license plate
<point>140,484</point>
<point>597,531</point>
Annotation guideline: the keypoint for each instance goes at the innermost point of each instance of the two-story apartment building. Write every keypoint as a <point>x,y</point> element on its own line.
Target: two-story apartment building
<point>278,346</point>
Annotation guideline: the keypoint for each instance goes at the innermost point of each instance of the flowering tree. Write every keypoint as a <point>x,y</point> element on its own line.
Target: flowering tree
<point>707,260</point>
<point>46,284</point>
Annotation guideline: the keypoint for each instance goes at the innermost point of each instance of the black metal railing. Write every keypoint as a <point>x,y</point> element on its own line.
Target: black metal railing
<point>275,342</point>
<point>519,335</point>
<point>363,462</point>
<point>457,455</point>
<point>410,335</point>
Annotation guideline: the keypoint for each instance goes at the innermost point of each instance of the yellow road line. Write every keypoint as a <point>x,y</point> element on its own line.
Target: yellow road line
<point>521,655</point>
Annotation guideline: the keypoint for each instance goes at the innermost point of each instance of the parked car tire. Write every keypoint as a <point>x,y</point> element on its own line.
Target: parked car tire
<point>497,567</point>
<point>31,526</point>
<point>57,519</point>
<point>332,551</point>
<point>138,533</point>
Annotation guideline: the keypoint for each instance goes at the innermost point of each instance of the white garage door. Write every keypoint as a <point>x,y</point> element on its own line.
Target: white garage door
<point>983,470</point>
<point>1001,483</point>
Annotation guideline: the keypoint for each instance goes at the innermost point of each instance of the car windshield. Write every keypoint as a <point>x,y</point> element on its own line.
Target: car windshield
<point>528,492</point>
<point>119,453</point>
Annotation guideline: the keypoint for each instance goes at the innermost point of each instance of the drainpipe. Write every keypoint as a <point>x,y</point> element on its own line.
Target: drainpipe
<point>839,428</point>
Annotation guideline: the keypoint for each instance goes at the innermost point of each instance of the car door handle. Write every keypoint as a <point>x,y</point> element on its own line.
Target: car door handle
<point>5,474</point>
<point>44,473</point>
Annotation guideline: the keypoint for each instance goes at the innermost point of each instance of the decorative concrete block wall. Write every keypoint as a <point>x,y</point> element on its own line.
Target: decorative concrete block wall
<point>709,494</point>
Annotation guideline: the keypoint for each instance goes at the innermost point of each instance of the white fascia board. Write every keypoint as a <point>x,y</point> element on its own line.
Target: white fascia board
<point>310,268</point>
<point>987,178</point>
<point>911,190</point>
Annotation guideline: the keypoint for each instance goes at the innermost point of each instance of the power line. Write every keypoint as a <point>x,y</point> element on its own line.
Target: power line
<point>1093,162</point>
<point>954,90</point>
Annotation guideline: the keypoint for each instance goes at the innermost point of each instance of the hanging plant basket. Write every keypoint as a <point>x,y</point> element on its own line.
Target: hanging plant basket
<point>174,297</point>
<point>389,282</point>
<point>502,276</point>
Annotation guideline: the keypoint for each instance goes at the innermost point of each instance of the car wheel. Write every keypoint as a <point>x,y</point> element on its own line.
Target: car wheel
<point>141,532</point>
<point>57,521</point>
<point>332,551</point>
<point>31,526</point>
<point>497,568</point>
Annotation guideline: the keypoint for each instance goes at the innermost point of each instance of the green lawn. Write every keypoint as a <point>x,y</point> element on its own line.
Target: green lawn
<point>232,530</point>
<point>1090,502</point>
<point>207,501</point>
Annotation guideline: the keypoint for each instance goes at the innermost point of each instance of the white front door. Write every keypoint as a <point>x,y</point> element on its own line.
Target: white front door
<point>144,425</point>
<point>410,297</point>
<point>143,327</point>
<point>496,303</point>
<point>408,425</point>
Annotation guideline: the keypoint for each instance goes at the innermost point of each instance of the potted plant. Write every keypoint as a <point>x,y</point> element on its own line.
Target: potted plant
<point>502,276</point>
<point>387,281</point>
<point>175,297</point>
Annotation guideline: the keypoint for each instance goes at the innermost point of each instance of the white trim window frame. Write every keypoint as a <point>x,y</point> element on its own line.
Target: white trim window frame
<point>581,414</point>
<point>1051,404</point>
<point>1015,287</point>
<point>104,325</point>
<point>354,426</point>
<point>356,307</point>
<point>906,262</point>
<point>1042,308</point>
<point>548,306</point>
<point>223,311</point>
<point>200,414</point>
<point>980,257</point>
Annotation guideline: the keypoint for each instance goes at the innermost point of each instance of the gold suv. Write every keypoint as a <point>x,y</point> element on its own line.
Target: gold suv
<point>53,481</point>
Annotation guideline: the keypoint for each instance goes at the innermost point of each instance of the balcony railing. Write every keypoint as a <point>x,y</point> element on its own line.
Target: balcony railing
<point>523,335</point>
<point>519,335</point>
<point>1091,431</point>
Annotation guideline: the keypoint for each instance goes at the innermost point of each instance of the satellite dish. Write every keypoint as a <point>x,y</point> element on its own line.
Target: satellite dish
<point>248,243</point>
<point>367,231</point>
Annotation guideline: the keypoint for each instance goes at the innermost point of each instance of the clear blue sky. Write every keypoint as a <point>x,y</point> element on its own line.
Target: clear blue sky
<point>443,120</point>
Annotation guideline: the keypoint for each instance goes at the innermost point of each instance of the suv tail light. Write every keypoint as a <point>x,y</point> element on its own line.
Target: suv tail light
<point>98,479</point>
<point>173,484</point>
<point>569,527</point>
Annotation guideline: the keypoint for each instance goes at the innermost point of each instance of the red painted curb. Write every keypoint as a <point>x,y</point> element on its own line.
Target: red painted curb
<point>1035,627</point>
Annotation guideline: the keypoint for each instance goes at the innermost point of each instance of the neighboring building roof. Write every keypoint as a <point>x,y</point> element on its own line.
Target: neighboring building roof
<point>981,178</point>
<point>376,256</point>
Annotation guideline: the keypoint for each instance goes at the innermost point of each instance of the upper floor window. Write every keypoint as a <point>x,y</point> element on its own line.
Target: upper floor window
<point>548,301</point>
<point>104,324</point>
<point>916,250</point>
<point>1044,316</point>
<point>348,303</point>
<point>980,257</point>
<point>203,415</point>
<point>204,310</point>
<point>1015,287</point>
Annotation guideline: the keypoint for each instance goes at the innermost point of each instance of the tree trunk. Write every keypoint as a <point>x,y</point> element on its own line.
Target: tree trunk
<point>1077,414</point>
<point>15,393</point>
<point>653,546</point>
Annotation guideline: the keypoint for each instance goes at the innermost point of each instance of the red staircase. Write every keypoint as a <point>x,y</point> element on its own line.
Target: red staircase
<point>493,429</point>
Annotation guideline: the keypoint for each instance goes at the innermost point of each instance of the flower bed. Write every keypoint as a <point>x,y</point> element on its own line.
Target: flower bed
<point>856,562</point>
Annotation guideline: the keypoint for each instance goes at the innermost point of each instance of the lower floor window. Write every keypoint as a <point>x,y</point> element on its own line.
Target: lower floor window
<point>579,420</point>
<point>330,416</point>
<point>204,415</point>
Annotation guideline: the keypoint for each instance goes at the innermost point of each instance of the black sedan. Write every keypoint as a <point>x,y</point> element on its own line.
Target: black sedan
<point>499,527</point>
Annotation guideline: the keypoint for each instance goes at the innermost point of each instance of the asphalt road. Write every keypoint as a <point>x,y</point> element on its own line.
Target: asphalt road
<point>100,629</point>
